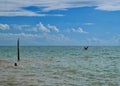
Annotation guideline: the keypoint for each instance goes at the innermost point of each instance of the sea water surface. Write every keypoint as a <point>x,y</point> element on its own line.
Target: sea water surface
<point>60,66</point>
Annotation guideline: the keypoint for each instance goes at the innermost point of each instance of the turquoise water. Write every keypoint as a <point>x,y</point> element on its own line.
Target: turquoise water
<point>60,66</point>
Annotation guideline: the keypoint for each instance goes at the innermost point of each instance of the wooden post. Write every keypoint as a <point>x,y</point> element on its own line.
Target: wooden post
<point>18,49</point>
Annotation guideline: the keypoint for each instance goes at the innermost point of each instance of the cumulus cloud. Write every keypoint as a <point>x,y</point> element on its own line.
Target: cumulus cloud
<point>42,27</point>
<point>24,27</point>
<point>48,28</point>
<point>79,30</point>
<point>16,8</point>
<point>4,27</point>
<point>54,28</point>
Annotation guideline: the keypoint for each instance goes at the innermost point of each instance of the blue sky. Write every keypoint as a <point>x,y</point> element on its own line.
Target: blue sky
<point>60,22</point>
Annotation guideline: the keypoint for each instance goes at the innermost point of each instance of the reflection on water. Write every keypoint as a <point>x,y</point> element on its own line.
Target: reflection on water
<point>60,66</point>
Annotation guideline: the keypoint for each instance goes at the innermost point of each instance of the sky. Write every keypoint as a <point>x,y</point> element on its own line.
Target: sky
<point>60,22</point>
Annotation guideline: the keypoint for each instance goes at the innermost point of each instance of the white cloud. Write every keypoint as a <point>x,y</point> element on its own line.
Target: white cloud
<point>42,27</point>
<point>94,39</point>
<point>23,27</point>
<point>56,37</point>
<point>38,27</point>
<point>98,41</point>
<point>53,28</point>
<point>79,30</point>
<point>16,8</point>
<point>33,29</point>
<point>59,15</point>
<point>48,28</point>
<point>20,13</point>
<point>19,27</point>
<point>19,35</point>
<point>111,5</point>
<point>88,23</point>
<point>4,27</point>
<point>35,38</point>
<point>116,38</point>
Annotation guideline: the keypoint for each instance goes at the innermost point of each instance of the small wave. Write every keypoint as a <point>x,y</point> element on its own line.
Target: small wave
<point>29,75</point>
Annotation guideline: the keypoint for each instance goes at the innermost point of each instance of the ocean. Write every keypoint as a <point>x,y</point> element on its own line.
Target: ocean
<point>60,66</point>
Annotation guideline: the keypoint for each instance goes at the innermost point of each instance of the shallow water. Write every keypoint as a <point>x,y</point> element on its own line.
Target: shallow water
<point>60,66</point>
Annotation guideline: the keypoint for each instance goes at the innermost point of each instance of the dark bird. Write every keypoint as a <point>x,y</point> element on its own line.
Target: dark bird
<point>86,47</point>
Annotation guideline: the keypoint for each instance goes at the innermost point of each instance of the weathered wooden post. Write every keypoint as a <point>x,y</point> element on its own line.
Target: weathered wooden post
<point>18,49</point>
